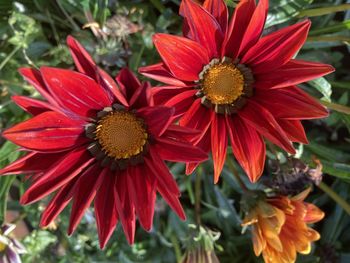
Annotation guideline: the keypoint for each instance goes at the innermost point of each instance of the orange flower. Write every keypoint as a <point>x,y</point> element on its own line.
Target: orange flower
<point>280,227</point>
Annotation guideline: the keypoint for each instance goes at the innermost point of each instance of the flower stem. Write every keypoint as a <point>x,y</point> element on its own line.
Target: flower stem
<point>336,107</point>
<point>337,198</point>
<point>236,174</point>
<point>176,246</point>
<point>197,195</point>
<point>7,59</point>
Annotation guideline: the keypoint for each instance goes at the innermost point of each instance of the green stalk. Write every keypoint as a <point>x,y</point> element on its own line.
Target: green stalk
<point>324,10</point>
<point>337,198</point>
<point>235,173</point>
<point>336,107</point>
<point>329,39</point>
<point>176,246</point>
<point>198,194</point>
<point>7,59</point>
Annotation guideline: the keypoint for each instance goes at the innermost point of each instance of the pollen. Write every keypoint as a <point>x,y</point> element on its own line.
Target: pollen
<point>223,83</point>
<point>121,135</point>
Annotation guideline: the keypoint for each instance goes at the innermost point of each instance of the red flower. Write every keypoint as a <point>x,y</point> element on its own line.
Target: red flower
<point>93,139</point>
<point>229,82</point>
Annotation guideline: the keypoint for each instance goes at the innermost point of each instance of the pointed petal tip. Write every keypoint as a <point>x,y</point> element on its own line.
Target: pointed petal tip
<point>70,39</point>
<point>24,200</point>
<point>216,178</point>
<point>183,217</point>
<point>23,70</point>
<point>103,243</point>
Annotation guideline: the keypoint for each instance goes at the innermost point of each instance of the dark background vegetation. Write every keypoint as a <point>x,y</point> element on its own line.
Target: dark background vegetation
<point>33,33</point>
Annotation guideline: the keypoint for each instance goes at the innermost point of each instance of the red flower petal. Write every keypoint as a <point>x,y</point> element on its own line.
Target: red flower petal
<point>263,121</point>
<point>143,192</point>
<point>142,97</point>
<point>182,133</point>
<point>197,117</point>
<point>294,130</point>
<point>172,200</point>
<point>237,27</point>
<point>125,206</point>
<point>127,82</point>
<point>109,84</point>
<point>218,144</point>
<point>247,146</point>
<point>276,49</point>
<point>209,36</point>
<point>33,106</point>
<point>157,118</point>
<point>177,151</point>
<point>75,91</point>
<point>203,143</point>
<point>184,58</point>
<point>162,94</point>
<point>161,171</point>
<point>34,77</point>
<point>86,65</point>
<point>182,102</point>
<point>33,162</point>
<point>82,59</point>
<point>290,103</point>
<point>292,73</point>
<point>106,209</point>
<point>84,192</point>
<point>65,169</point>
<point>166,185</point>
<point>219,10</point>
<point>58,203</point>
<point>255,27</point>
<point>160,73</point>
<point>49,131</point>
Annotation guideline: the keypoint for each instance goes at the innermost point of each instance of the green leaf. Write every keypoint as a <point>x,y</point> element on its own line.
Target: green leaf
<point>5,184</point>
<point>323,86</point>
<point>282,11</point>
<point>331,29</point>
<point>336,107</point>
<point>340,170</point>
<point>324,10</point>
<point>328,152</point>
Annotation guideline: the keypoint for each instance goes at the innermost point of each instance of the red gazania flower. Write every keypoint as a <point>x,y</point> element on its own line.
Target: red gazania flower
<point>229,82</point>
<point>93,139</point>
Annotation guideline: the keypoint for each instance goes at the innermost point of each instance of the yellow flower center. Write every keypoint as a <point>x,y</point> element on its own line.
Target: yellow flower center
<point>2,246</point>
<point>223,83</point>
<point>121,135</point>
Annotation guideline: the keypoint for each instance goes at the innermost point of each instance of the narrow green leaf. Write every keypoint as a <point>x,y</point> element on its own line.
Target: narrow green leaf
<point>324,10</point>
<point>340,84</point>
<point>336,107</point>
<point>5,184</point>
<point>340,170</point>
<point>335,38</point>
<point>331,29</point>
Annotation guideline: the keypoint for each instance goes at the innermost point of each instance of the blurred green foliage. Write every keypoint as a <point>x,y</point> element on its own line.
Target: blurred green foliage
<point>33,32</point>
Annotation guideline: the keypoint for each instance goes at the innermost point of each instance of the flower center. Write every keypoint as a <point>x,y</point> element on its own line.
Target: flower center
<point>121,134</point>
<point>223,83</point>
<point>2,246</point>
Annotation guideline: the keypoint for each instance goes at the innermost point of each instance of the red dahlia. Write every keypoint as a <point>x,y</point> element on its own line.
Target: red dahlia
<point>93,139</point>
<point>229,82</point>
